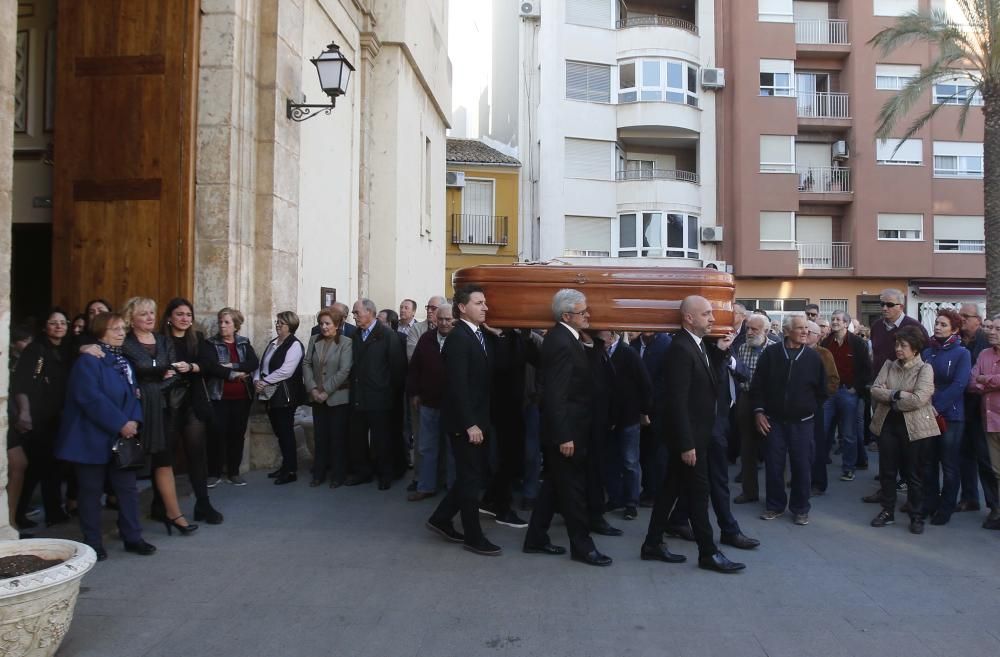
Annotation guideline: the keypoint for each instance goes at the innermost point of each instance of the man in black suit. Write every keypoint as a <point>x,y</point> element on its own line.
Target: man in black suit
<point>469,358</point>
<point>691,403</point>
<point>566,426</point>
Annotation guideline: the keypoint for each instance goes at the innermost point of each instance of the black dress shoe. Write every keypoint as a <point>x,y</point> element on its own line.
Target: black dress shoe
<point>967,505</point>
<point>142,547</point>
<point>679,531</point>
<point>660,553</point>
<point>204,511</point>
<point>548,548</point>
<point>384,484</point>
<point>604,529</point>
<point>285,478</point>
<point>484,547</point>
<point>592,558</point>
<point>719,563</point>
<point>355,480</point>
<point>445,530</point>
<point>412,488</point>
<point>102,554</point>
<point>275,474</point>
<point>739,541</point>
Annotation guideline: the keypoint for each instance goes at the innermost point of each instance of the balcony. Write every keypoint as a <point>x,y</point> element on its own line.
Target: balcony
<point>822,37</point>
<point>823,106</point>
<point>825,184</point>
<point>657,174</point>
<point>657,21</point>
<point>836,255</point>
<point>479,230</point>
<point>658,188</point>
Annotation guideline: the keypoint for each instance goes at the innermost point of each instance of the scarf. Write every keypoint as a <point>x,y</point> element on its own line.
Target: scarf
<point>121,363</point>
<point>941,344</point>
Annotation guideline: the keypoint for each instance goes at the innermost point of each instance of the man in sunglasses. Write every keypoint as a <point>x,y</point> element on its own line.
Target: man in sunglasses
<point>884,332</point>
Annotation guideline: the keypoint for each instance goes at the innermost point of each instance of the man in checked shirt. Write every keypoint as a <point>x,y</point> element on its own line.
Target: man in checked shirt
<point>750,438</point>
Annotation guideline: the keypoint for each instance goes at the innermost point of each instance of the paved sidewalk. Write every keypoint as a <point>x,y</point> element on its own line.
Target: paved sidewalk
<point>311,572</point>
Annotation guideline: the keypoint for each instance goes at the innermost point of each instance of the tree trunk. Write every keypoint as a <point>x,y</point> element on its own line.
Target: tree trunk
<point>991,195</point>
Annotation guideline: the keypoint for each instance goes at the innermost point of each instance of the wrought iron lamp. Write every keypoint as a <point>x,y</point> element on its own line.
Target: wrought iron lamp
<point>334,73</point>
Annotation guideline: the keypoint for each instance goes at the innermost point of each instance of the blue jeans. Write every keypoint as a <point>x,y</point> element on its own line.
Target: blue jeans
<point>946,451</point>
<point>623,474</point>
<point>532,452</point>
<point>430,441</point>
<point>794,441</point>
<point>845,415</point>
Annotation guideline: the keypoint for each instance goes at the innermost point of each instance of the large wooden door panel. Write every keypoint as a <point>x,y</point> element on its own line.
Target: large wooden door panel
<point>124,184</point>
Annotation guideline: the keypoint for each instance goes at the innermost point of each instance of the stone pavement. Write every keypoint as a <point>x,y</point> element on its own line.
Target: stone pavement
<point>311,572</point>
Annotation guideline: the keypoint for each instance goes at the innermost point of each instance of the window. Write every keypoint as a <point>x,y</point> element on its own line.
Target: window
<point>641,234</point>
<point>593,13</point>
<point>776,77</point>
<point>777,154</point>
<point>589,158</point>
<point>774,11</point>
<point>901,227</point>
<point>588,236</point>
<point>894,7</point>
<point>894,77</point>
<point>477,211</point>
<point>958,159</point>
<point>776,309</point>
<point>658,80</point>
<point>639,169</point>
<point>959,234</point>
<point>893,151</point>
<point>777,231</point>
<point>956,90</point>
<point>829,306</point>
<point>590,82</point>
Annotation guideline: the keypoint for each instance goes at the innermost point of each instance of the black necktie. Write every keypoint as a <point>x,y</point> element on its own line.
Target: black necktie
<point>708,361</point>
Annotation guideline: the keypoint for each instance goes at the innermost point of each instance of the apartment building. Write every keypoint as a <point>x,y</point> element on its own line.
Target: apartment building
<point>815,208</point>
<point>617,131</point>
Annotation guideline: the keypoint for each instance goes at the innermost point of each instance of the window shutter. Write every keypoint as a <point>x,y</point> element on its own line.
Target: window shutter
<point>901,222</point>
<point>599,83</point>
<point>595,13</point>
<point>588,234</point>
<point>958,228</point>
<point>774,11</point>
<point>958,148</point>
<point>912,150</point>
<point>894,7</point>
<point>777,226</point>
<point>776,66</point>
<point>776,152</point>
<point>576,80</point>
<point>588,158</point>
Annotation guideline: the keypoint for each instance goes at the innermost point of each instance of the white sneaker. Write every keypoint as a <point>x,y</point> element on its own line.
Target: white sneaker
<point>236,480</point>
<point>213,482</point>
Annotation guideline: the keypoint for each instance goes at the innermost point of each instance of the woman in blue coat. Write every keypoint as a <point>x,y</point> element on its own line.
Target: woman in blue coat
<point>952,367</point>
<point>102,403</point>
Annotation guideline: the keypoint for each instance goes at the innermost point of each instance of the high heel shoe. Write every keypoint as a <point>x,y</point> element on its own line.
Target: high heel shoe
<point>171,525</point>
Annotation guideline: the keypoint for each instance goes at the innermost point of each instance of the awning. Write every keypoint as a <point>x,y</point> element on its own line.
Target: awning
<point>950,288</point>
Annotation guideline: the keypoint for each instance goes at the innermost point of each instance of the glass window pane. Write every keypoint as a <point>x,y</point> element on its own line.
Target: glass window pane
<point>692,228</point>
<point>627,97</point>
<point>651,95</point>
<point>675,231</point>
<point>675,75</point>
<point>675,97</point>
<point>692,79</point>
<point>626,231</point>
<point>626,75</point>
<point>651,74</point>
<point>651,233</point>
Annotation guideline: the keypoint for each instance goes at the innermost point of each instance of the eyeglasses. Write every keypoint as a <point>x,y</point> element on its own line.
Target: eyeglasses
<point>889,304</point>
<point>973,316</point>
<point>56,322</point>
<point>430,307</point>
<point>585,311</point>
<point>278,322</point>
<point>811,313</point>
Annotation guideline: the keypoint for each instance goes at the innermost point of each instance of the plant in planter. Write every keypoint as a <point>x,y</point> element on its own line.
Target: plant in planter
<point>36,606</point>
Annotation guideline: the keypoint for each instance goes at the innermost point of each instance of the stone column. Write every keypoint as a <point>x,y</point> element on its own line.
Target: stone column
<point>8,35</point>
<point>370,46</point>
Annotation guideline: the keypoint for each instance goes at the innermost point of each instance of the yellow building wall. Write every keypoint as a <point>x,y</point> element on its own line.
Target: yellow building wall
<point>505,200</point>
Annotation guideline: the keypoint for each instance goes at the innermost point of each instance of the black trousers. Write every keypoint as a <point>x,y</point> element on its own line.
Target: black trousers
<point>191,431</point>
<point>897,453</point>
<point>91,480</point>
<point>565,490</point>
<point>652,456</point>
<point>750,446</point>
<point>379,425</point>
<point>471,462</point>
<point>283,425</point>
<point>596,499</point>
<point>331,426</point>
<point>43,468</point>
<point>509,462</point>
<point>718,481</point>
<point>693,482</point>
<point>225,442</point>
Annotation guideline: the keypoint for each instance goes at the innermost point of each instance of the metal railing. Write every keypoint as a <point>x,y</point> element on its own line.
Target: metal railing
<point>821,31</point>
<point>836,255</point>
<point>823,105</point>
<point>657,174</point>
<point>661,21</point>
<point>483,229</point>
<point>959,246</point>
<point>824,180</point>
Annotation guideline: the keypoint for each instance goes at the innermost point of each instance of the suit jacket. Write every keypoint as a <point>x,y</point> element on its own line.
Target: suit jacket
<point>377,371</point>
<point>692,392</point>
<point>633,388</point>
<point>469,376</point>
<point>99,402</point>
<point>653,358</point>
<point>413,336</point>
<point>568,393</point>
<point>425,374</point>
<point>339,357</point>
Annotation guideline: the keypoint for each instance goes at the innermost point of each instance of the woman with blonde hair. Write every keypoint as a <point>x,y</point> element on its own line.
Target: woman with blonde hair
<point>152,357</point>
<point>326,368</point>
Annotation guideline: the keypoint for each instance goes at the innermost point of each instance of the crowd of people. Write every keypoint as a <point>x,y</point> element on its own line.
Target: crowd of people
<point>570,420</point>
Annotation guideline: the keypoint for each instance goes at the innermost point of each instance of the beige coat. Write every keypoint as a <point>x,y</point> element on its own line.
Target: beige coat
<point>337,368</point>
<point>915,381</point>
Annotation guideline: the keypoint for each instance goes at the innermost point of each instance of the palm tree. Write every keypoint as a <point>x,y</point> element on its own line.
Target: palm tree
<point>965,48</point>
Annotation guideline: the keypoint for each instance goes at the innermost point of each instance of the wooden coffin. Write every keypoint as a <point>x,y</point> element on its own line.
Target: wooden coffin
<point>619,298</point>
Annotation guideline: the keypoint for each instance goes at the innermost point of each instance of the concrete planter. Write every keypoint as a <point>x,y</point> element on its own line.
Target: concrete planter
<point>36,609</point>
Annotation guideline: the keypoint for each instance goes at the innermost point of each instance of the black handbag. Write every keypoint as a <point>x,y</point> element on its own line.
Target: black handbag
<point>128,453</point>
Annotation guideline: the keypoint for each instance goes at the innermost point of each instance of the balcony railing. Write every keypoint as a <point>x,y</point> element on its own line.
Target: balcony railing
<point>959,246</point>
<point>824,180</point>
<point>479,229</point>
<point>821,31</point>
<point>823,105</point>
<point>662,21</point>
<point>657,174</point>
<point>836,255</point>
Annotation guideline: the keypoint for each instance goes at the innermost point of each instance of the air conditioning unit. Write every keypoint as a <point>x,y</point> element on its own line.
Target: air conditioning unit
<point>711,233</point>
<point>531,10</point>
<point>840,150</point>
<point>454,179</point>
<point>719,265</point>
<point>713,78</point>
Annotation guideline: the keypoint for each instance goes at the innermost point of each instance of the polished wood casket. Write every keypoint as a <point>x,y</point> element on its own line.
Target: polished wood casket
<point>619,298</point>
